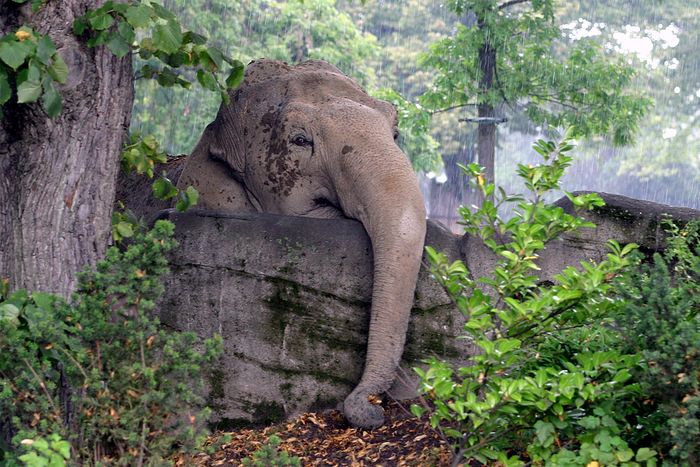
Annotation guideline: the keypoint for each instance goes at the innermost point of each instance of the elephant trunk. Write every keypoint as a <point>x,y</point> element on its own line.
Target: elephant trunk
<point>385,197</point>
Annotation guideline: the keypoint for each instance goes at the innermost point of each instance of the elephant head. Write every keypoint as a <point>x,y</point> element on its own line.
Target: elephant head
<point>306,140</point>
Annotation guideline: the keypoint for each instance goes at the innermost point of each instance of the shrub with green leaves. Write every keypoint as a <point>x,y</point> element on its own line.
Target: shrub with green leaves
<point>522,399</point>
<point>660,320</point>
<point>270,456</point>
<point>100,372</point>
<point>141,154</point>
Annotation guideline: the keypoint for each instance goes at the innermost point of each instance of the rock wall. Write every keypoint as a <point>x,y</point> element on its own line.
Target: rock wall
<point>291,298</point>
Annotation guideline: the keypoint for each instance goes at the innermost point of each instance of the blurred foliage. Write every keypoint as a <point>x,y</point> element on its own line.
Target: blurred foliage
<point>414,131</point>
<point>663,164</point>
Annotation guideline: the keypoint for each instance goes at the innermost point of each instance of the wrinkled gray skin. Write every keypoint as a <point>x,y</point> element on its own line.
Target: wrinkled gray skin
<point>308,141</point>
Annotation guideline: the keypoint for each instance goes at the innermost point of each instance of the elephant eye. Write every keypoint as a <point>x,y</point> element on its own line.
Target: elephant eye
<point>301,140</point>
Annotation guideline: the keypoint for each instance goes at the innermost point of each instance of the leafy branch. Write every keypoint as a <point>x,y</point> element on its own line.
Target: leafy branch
<point>30,64</point>
<point>162,41</point>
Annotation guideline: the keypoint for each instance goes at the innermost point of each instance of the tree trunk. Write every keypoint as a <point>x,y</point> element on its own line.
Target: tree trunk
<point>486,143</point>
<point>57,176</point>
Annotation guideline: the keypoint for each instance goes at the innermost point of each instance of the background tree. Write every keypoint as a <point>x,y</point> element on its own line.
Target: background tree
<point>660,40</point>
<point>510,56</point>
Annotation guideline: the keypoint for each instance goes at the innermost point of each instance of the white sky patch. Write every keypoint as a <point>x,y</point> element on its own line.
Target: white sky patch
<point>631,40</point>
<point>442,178</point>
<point>677,90</point>
<point>697,93</point>
<point>668,133</point>
<point>581,29</point>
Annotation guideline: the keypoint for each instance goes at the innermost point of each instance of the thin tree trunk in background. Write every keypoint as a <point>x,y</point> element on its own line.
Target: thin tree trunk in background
<point>446,198</point>
<point>57,176</point>
<point>486,143</point>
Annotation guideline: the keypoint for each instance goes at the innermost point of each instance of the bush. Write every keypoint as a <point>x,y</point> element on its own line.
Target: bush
<point>269,456</point>
<point>545,388</point>
<point>100,372</point>
<point>660,321</point>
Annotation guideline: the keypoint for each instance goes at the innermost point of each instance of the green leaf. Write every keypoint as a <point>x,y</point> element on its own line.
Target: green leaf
<point>644,454</point>
<point>52,102</point>
<point>127,32</point>
<point>5,90</point>
<point>216,56</point>
<point>163,12</point>
<point>9,313</point>
<point>80,25</point>
<point>14,53</point>
<point>193,38</point>
<point>624,454</point>
<point>544,431</point>
<point>101,22</point>
<point>118,46</point>
<point>188,198</point>
<point>28,90</point>
<point>45,49</point>
<point>43,300</point>
<point>58,69</point>
<point>207,80</point>
<point>164,189</point>
<point>235,78</point>
<point>99,39</point>
<point>167,77</point>
<point>167,37</point>
<point>125,229</point>
<point>417,410</point>
<point>139,16</point>
<point>62,447</point>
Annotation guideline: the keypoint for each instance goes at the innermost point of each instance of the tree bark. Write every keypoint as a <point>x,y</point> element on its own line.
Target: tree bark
<point>57,176</point>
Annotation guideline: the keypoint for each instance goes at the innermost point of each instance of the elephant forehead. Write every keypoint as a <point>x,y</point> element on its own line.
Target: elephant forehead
<point>311,87</point>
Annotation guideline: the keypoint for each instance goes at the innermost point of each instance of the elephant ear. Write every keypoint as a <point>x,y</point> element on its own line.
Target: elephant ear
<point>223,138</point>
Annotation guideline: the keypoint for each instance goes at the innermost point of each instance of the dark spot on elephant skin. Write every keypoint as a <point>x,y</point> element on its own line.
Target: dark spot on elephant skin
<point>282,171</point>
<point>346,149</point>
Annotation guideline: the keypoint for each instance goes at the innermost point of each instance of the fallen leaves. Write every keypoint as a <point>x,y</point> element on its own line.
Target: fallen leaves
<point>325,439</point>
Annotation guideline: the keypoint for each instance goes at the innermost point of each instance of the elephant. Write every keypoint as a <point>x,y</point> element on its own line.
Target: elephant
<point>306,140</point>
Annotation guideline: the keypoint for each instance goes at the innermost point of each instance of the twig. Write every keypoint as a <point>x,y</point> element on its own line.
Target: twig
<point>72,359</point>
<point>447,109</point>
<point>42,385</point>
